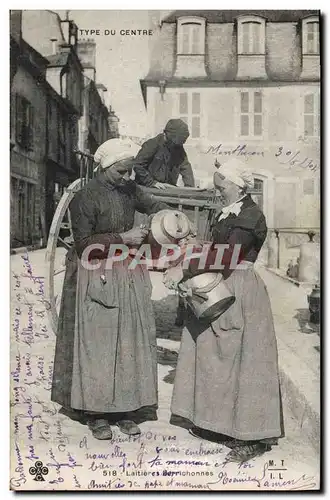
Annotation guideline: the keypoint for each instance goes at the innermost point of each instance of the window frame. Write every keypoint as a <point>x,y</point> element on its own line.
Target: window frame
<point>23,208</point>
<point>251,113</point>
<point>192,21</point>
<point>316,41</point>
<point>241,21</point>
<point>190,114</point>
<point>24,122</point>
<point>61,137</point>
<point>258,193</point>
<point>315,114</point>
<point>311,182</point>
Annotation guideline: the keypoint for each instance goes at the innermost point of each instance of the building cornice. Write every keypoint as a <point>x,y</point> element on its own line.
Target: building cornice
<point>230,16</point>
<point>199,82</point>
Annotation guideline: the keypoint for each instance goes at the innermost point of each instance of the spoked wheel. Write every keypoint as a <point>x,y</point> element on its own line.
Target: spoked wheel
<point>61,222</point>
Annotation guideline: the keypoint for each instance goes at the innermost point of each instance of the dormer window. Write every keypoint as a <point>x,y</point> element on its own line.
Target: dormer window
<point>311,35</point>
<point>251,35</point>
<point>73,34</point>
<point>191,36</point>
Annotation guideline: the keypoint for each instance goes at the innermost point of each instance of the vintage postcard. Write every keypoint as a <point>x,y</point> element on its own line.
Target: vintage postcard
<point>165,250</point>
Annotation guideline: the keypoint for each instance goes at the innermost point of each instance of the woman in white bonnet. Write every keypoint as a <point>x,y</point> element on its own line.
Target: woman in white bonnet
<point>227,379</point>
<point>105,361</point>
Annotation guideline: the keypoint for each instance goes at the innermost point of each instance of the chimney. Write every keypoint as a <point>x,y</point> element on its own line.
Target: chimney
<point>16,25</point>
<point>54,45</point>
<point>70,31</point>
<point>86,50</point>
<point>113,122</point>
<point>65,25</point>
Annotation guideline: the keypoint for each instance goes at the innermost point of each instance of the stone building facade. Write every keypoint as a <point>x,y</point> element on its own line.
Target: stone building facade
<point>93,124</point>
<point>56,108</point>
<point>28,102</point>
<point>248,85</point>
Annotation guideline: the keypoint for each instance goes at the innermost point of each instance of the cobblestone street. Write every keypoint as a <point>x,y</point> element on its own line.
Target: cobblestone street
<point>74,457</point>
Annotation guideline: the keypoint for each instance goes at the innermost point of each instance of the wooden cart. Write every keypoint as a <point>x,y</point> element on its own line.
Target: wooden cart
<point>198,204</point>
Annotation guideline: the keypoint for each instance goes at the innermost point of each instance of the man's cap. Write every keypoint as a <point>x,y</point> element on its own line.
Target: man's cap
<point>177,130</point>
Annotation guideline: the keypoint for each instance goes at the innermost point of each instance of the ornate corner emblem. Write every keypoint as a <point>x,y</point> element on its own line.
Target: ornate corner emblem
<point>39,471</point>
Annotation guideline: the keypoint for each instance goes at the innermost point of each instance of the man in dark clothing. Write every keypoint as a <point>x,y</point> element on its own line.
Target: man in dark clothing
<point>162,159</point>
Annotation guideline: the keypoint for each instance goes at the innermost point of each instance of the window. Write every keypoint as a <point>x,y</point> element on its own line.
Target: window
<point>308,186</point>
<point>311,36</point>
<point>191,36</point>
<point>251,38</point>
<point>73,87</point>
<point>257,192</point>
<point>189,111</point>
<point>251,114</point>
<point>311,115</point>
<point>61,139</point>
<point>58,192</point>
<point>251,35</point>
<point>23,211</point>
<point>24,123</point>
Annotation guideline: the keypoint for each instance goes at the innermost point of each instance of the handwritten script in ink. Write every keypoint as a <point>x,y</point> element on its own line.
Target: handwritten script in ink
<point>162,457</point>
<point>291,158</point>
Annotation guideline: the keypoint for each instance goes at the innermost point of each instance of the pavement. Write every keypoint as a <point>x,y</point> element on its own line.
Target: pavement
<point>299,351</point>
<point>41,431</point>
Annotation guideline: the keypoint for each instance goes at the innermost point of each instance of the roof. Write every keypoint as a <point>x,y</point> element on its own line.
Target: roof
<point>101,86</point>
<point>59,59</point>
<point>43,61</point>
<point>229,16</point>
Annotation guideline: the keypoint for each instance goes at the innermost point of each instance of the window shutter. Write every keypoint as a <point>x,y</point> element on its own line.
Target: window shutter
<point>30,127</point>
<point>19,119</point>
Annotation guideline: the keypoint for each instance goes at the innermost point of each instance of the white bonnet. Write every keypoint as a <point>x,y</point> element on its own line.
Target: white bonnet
<point>235,171</point>
<point>115,150</point>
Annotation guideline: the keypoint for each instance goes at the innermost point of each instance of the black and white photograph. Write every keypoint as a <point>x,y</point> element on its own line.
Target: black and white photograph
<point>165,274</point>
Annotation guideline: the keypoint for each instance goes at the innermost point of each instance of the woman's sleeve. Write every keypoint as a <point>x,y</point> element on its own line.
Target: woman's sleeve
<point>83,219</point>
<point>147,203</point>
<point>239,236</point>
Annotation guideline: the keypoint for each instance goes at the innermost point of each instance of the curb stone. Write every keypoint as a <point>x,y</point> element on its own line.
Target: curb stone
<point>302,394</point>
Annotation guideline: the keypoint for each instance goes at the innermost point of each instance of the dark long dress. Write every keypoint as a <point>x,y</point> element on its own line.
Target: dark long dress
<point>227,378</point>
<point>105,358</point>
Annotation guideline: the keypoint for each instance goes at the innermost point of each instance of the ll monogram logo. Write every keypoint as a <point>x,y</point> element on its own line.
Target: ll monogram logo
<point>38,471</point>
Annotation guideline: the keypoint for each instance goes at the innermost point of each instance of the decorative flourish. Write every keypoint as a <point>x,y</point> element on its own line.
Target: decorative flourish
<point>39,471</point>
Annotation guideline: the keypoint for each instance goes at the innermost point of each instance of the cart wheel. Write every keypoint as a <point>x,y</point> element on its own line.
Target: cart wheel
<point>52,244</point>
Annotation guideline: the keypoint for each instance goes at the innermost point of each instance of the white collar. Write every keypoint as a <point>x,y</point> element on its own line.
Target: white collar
<point>228,207</point>
<point>234,208</point>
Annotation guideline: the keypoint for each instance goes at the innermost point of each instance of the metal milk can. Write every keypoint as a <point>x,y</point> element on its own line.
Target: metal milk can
<point>273,250</point>
<point>209,296</point>
<point>309,260</point>
<point>314,301</point>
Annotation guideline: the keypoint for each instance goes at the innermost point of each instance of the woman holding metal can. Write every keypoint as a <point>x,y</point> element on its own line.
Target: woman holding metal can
<point>227,378</point>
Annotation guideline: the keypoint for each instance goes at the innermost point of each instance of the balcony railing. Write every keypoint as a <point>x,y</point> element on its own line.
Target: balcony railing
<point>284,246</point>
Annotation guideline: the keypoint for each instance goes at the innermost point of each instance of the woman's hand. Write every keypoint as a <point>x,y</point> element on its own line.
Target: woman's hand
<point>172,277</point>
<point>134,236</point>
<point>160,185</point>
